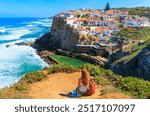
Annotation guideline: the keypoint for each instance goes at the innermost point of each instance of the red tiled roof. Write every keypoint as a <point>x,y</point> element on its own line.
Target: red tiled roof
<point>106,16</point>
<point>101,29</point>
<point>113,27</point>
<point>111,12</point>
<point>81,29</point>
<point>106,29</point>
<point>111,21</point>
<point>143,18</point>
<point>98,30</point>
<point>81,20</point>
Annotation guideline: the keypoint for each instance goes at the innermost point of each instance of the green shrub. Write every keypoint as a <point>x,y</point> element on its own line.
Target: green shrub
<point>94,70</point>
<point>132,33</point>
<point>18,97</point>
<point>62,68</point>
<point>85,16</point>
<point>46,68</point>
<point>21,87</point>
<point>121,26</point>
<point>78,16</point>
<point>137,87</point>
<point>99,74</point>
<point>108,73</point>
<point>108,90</point>
<point>101,80</point>
<point>134,86</point>
<point>33,77</point>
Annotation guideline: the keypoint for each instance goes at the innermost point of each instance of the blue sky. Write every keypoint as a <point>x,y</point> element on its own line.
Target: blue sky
<point>45,8</point>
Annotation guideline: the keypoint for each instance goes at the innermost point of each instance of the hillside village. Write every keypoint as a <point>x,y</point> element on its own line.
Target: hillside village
<point>100,37</point>
<point>102,25</point>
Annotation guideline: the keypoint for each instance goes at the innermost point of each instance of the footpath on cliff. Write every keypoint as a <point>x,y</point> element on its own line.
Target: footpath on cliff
<point>56,86</point>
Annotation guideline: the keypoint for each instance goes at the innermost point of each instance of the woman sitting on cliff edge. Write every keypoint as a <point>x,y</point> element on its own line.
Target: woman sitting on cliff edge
<point>85,87</point>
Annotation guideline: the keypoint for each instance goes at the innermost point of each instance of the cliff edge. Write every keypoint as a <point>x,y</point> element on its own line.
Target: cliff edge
<point>139,66</point>
<point>62,36</point>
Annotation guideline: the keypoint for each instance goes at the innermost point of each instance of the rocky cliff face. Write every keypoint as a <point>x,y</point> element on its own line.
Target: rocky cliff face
<point>139,66</point>
<point>62,36</point>
<point>63,33</point>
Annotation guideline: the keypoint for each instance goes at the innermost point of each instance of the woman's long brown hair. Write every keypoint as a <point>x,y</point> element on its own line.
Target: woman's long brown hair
<point>84,77</point>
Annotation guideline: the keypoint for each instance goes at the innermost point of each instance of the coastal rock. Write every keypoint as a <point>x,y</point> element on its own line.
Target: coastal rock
<point>24,43</point>
<point>62,36</point>
<point>46,42</point>
<point>63,33</point>
<point>139,66</point>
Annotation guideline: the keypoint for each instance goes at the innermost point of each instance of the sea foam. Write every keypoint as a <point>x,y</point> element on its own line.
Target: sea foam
<point>3,29</point>
<point>16,61</point>
<point>14,33</point>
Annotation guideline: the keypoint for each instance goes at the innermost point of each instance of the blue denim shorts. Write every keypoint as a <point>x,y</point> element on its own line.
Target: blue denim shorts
<point>74,93</point>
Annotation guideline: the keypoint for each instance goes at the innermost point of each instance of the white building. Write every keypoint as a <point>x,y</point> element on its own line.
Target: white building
<point>106,18</point>
<point>82,30</point>
<point>70,21</point>
<point>144,21</point>
<point>132,22</point>
<point>66,15</point>
<point>110,23</point>
<point>79,22</point>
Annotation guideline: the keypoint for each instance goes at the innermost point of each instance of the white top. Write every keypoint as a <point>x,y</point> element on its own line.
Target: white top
<point>83,88</point>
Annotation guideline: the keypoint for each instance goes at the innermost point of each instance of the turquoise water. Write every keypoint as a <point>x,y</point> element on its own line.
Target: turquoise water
<point>15,61</point>
<point>68,60</point>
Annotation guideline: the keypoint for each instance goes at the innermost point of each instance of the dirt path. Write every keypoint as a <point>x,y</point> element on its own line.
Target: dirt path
<point>58,85</point>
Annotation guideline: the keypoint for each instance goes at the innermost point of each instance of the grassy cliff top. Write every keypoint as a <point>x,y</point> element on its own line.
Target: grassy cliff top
<point>106,81</point>
<point>141,11</point>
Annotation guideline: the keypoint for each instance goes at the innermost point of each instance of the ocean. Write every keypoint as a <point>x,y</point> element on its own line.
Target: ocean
<point>15,61</point>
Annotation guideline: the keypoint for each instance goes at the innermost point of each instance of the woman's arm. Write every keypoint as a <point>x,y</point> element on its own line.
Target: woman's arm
<point>79,82</point>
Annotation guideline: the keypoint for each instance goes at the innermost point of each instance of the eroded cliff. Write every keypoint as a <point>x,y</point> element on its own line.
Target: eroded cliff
<point>139,66</point>
<point>64,33</point>
<point>61,36</point>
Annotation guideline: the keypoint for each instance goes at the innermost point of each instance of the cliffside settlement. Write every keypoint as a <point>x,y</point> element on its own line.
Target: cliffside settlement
<point>86,29</point>
<point>90,35</point>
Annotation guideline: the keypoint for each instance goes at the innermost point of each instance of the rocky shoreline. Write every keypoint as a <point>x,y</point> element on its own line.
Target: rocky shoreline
<point>44,54</point>
<point>45,51</point>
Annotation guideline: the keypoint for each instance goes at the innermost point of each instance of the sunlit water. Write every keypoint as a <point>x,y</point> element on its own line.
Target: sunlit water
<point>15,60</point>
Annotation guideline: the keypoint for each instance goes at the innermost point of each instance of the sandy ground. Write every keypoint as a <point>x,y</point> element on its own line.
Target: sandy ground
<point>56,86</point>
